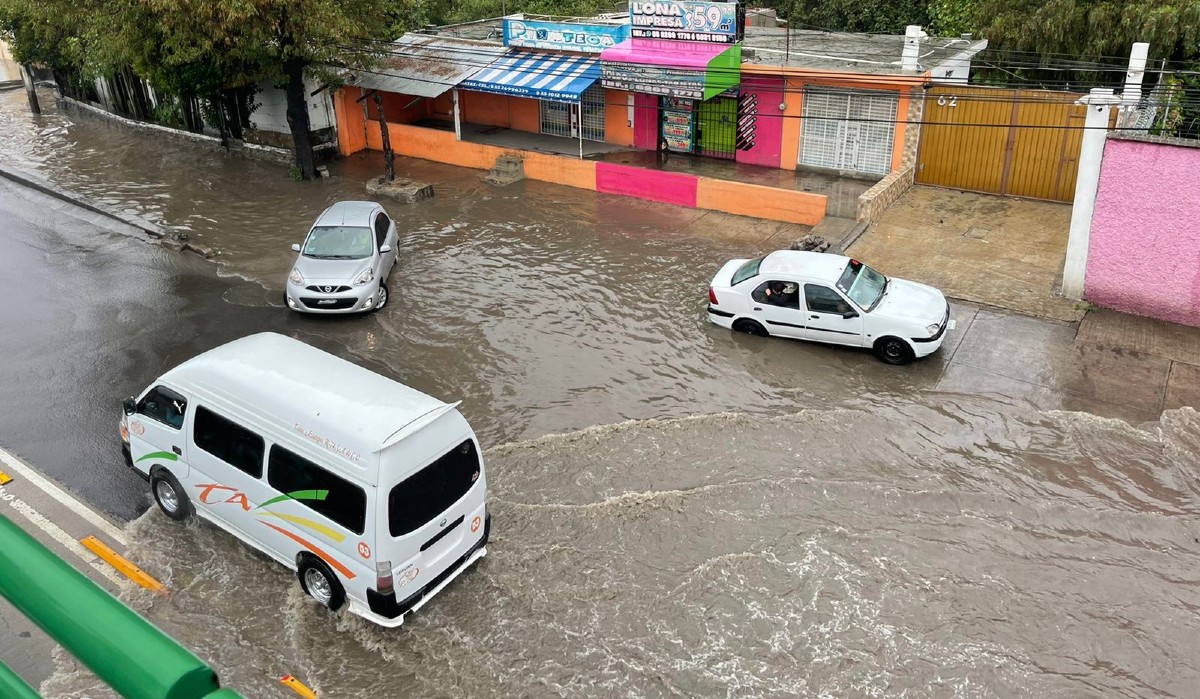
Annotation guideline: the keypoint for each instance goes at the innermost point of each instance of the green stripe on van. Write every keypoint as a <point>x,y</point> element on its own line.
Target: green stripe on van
<point>169,456</point>
<point>297,495</point>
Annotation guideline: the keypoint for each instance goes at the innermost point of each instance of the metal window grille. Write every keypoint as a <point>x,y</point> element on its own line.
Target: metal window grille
<point>593,113</point>
<point>716,122</point>
<point>556,118</point>
<point>848,131</point>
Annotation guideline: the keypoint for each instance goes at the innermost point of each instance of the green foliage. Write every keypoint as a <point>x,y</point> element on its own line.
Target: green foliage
<point>951,17</point>
<point>294,174</point>
<point>169,112</point>
<point>886,16</point>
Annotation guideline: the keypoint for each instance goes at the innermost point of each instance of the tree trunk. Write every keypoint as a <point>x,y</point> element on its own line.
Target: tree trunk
<point>297,117</point>
<point>233,117</point>
<point>30,92</point>
<point>389,157</point>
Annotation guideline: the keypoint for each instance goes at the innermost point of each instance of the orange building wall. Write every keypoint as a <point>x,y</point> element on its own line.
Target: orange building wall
<point>517,113</point>
<point>400,109</point>
<point>901,131</point>
<point>526,114</point>
<point>790,143</point>
<point>442,107</point>
<point>352,136</point>
<point>761,202</point>
<point>618,127</point>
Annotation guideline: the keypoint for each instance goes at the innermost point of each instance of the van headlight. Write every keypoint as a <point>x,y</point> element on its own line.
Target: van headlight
<point>366,277</point>
<point>295,277</point>
<point>933,328</point>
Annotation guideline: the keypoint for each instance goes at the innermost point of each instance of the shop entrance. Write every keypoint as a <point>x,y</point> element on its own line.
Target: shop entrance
<point>563,118</point>
<point>704,128</point>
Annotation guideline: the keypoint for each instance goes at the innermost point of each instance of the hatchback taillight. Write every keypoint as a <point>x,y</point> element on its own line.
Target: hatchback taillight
<point>712,296</point>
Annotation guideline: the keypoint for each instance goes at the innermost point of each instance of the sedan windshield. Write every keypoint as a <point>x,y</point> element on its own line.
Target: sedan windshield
<point>863,285</point>
<point>339,243</point>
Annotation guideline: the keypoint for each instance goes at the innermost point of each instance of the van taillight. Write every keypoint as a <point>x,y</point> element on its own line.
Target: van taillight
<point>712,296</point>
<point>383,577</point>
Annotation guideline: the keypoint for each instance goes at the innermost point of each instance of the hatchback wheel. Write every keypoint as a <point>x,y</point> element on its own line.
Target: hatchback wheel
<point>381,297</point>
<point>893,350</point>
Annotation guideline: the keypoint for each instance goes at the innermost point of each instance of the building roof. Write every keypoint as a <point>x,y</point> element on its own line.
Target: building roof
<point>876,54</point>
<point>426,65</point>
<point>326,401</point>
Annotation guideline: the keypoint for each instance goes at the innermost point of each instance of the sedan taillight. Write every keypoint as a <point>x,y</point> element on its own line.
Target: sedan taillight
<point>712,296</point>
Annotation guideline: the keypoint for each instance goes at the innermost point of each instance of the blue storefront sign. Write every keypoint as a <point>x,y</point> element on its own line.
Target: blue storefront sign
<point>559,36</point>
<point>684,20</point>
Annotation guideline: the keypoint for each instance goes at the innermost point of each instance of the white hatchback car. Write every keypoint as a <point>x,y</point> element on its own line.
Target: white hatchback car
<point>829,298</point>
<point>344,262</point>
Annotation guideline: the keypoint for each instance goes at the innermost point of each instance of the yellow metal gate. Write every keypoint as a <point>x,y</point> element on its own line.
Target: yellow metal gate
<point>1019,142</point>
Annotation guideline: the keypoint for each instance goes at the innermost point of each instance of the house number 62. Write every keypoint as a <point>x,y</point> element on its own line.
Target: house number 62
<point>951,101</point>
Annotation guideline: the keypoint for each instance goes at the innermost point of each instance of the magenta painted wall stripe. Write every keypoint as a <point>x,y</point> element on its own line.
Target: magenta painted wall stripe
<point>666,187</point>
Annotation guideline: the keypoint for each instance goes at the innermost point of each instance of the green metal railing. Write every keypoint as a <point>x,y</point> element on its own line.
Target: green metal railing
<point>129,653</point>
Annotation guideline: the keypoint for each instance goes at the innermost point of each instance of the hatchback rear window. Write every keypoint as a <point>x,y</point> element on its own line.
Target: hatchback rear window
<point>746,271</point>
<point>431,491</point>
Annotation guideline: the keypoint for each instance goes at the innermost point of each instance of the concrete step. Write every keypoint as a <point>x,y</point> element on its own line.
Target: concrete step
<point>507,169</point>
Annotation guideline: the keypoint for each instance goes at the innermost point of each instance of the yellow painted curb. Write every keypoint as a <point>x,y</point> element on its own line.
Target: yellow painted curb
<point>5,479</point>
<point>298,687</point>
<point>122,564</point>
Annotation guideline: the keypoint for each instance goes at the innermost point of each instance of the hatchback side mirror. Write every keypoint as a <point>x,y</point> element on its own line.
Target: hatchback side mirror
<point>385,248</point>
<point>295,247</point>
<point>129,405</point>
<point>849,314</point>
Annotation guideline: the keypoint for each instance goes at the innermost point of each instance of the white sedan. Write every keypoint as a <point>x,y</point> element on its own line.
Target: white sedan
<point>829,298</point>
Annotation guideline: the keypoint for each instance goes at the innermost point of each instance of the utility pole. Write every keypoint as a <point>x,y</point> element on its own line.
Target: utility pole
<point>30,91</point>
<point>1087,183</point>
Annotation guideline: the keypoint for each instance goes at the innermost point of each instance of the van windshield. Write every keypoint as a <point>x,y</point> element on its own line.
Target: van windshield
<point>418,499</point>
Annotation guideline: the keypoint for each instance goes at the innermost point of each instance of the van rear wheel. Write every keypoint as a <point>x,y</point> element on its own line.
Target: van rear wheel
<point>170,496</point>
<point>321,584</point>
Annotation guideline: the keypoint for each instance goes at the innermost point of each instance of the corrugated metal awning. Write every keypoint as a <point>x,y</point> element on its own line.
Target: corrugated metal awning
<point>426,66</point>
<point>547,76</point>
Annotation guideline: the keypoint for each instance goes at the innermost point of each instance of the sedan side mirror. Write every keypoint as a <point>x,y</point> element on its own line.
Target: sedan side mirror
<point>385,248</point>
<point>129,405</point>
<point>849,314</point>
<point>295,247</point>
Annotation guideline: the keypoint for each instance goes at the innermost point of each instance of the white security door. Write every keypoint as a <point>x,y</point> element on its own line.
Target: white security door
<point>848,130</point>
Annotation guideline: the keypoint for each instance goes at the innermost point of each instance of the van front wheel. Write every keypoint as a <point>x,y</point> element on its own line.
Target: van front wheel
<point>170,496</point>
<point>321,584</point>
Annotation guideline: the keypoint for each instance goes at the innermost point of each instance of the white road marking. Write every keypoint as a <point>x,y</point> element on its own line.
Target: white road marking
<point>27,473</point>
<point>59,535</point>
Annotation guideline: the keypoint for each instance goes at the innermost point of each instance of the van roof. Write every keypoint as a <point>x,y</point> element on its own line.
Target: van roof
<point>823,266</point>
<point>338,405</point>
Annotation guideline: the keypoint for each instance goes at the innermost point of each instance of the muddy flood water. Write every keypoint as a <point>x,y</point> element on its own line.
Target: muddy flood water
<point>677,511</point>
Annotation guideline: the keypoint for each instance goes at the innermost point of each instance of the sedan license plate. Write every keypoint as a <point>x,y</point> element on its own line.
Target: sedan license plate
<point>952,324</point>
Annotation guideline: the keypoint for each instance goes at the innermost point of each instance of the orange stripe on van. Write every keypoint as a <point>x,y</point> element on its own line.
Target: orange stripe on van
<point>315,549</point>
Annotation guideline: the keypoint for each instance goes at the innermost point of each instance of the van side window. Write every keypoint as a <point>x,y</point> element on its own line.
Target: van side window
<point>165,406</point>
<point>318,489</point>
<point>229,442</point>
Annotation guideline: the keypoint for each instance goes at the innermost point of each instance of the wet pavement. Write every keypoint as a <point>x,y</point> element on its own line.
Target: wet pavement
<point>679,510</point>
<point>981,248</point>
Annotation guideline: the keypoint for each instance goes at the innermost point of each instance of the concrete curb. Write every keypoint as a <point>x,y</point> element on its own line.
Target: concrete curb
<point>849,239</point>
<point>164,236</point>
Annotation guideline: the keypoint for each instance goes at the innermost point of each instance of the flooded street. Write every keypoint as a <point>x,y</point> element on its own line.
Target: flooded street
<point>677,511</point>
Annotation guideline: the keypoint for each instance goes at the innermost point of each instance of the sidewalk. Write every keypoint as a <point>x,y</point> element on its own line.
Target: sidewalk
<point>60,522</point>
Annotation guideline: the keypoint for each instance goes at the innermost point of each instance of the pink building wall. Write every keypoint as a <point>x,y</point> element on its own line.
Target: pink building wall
<point>1144,248</point>
<point>645,121</point>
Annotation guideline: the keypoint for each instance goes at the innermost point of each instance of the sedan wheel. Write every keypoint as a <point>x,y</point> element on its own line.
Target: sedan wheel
<point>893,350</point>
<point>750,327</point>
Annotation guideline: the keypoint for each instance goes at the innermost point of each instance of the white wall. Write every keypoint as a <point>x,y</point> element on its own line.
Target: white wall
<point>9,70</point>
<point>271,114</point>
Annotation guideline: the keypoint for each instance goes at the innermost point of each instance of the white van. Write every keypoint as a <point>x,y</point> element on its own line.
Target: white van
<point>371,491</point>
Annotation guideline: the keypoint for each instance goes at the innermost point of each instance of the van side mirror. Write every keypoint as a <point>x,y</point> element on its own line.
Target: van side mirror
<point>385,248</point>
<point>849,314</point>
<point>129,405</point>
<point>295,247</point>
